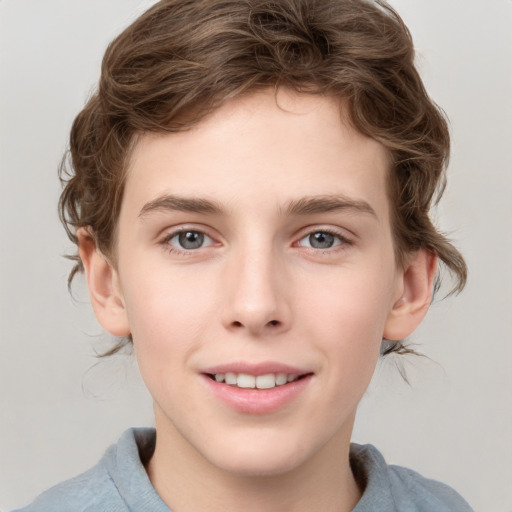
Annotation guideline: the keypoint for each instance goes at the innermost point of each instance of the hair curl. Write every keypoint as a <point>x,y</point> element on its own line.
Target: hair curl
<point>182,59</point>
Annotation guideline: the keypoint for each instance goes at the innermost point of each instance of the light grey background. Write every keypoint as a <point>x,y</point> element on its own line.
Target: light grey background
<point>59,412</point>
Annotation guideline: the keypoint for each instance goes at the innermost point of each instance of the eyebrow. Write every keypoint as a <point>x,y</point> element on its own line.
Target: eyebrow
<point>179,203</point>
<point>303,206</point>
<point>328,203</point>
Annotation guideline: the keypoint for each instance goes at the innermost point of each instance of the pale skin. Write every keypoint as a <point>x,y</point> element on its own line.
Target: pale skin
<point>289,261</point>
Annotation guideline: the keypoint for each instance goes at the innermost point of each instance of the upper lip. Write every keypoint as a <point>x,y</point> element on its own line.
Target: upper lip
<point>255,369</point>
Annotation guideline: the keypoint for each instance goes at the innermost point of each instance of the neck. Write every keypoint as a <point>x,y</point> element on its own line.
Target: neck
<point>187,482</point>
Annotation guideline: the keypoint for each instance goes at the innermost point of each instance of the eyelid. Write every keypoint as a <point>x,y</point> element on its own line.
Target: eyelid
<point>178,233</point>
<point>171,232</point>
<point>345,237</point>
<point>343,233</point>
<point>340,234</point>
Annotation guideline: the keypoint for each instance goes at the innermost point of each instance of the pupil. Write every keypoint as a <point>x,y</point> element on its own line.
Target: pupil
<point>321,240</point>
<point>191,239</point>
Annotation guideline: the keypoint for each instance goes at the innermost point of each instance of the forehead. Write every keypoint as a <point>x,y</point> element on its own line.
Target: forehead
<point>282,145</point>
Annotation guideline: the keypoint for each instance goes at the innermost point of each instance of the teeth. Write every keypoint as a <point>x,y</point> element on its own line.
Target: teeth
<point>281,378</point>
<point>230,379</point>
<point>266,381</point>
<point>244,380</point>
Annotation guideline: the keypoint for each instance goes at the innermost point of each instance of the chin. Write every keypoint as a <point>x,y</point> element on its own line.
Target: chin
<point>255,469</point>
<point>259,461</point>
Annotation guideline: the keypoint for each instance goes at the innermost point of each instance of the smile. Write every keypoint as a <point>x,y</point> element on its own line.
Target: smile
<point>247,381</point>
<point>263,388</point>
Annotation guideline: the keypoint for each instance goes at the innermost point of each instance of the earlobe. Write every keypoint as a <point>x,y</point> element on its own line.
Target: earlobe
<point>416,285</point>
<point>104,289</point>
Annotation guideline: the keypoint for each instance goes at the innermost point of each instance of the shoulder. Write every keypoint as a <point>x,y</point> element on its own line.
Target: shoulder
<point>395,488</point>
<point>111,485</point>
<point>92,490</point>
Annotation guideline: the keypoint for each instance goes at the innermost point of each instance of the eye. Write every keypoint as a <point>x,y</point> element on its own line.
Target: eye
<point>188,240</point>
<point>322,240</point>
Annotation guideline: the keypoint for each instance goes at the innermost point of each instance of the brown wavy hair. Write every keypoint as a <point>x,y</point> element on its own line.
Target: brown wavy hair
<point>182,59</point>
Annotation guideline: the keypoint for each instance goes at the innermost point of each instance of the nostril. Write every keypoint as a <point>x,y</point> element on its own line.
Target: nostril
<point>254,326</point>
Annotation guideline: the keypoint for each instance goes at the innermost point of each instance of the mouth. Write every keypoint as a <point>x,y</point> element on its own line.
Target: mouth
<point>248,381</point>
<point>257,388</point>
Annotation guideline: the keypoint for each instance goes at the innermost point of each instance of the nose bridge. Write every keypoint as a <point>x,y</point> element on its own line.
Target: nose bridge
<point>256,300</point>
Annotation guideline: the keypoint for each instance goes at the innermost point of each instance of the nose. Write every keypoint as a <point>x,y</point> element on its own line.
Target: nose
<point>256,296</point>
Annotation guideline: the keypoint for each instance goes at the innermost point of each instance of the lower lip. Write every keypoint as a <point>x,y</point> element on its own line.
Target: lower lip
<point>257,401</point>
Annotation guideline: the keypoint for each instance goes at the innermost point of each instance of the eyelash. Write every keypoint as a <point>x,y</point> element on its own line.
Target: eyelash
<point>343,241</point>
<point>166,242</point>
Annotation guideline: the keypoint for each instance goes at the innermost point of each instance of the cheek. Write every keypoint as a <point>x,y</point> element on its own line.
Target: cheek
<point>347,321</point>
<point>352,301</point>
<point>168,316</point>
<point>167,328</point>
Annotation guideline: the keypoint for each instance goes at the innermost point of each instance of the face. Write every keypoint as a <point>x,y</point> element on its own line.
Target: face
<point>256,250</point>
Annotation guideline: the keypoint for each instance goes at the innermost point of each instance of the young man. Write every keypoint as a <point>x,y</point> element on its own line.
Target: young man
<point>249,192</point>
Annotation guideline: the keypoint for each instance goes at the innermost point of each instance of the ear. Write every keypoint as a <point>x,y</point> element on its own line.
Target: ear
<point>414,295</point>
<point>104,287</point>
